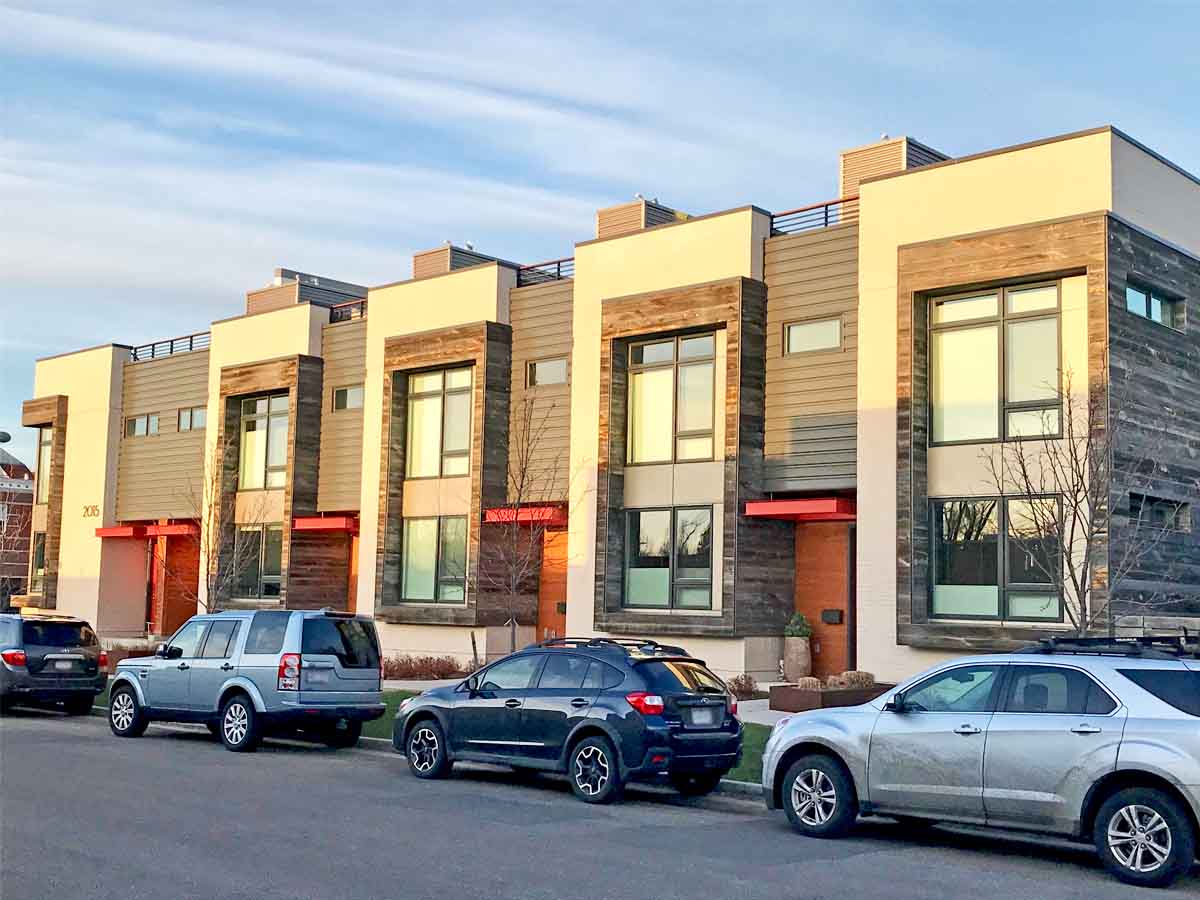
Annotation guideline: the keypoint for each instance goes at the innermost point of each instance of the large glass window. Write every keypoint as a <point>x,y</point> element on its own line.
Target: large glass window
<point>258,554</point>
<point>37,567</point>
<point>996,559</point>
<point>669,558</point>
<point>45,441</point>
<point>263,460</point>
<point>671,399</point>
<point>434,565</point>
<point>439,423</point>
<point>994,365</point>
<point>1153,305</point>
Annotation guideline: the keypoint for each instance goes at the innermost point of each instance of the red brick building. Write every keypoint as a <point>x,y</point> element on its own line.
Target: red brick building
<point>16,507</point>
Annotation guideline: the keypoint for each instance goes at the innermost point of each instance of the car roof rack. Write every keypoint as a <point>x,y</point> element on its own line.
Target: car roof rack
<point>1155,646</point>
<point>626,645</point>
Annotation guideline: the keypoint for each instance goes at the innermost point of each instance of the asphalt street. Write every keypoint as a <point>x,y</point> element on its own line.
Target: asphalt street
<point>174,815</point>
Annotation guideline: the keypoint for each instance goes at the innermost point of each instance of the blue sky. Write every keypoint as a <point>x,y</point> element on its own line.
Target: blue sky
<point>158,160</point>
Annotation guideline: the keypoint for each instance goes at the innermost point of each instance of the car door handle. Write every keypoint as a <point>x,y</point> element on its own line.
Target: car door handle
<point>227,668</point>
<point>184,666</point>
<point>579,703</point>
<point>967,729</point>
<point>512,704</point>
<point>1087,729</point>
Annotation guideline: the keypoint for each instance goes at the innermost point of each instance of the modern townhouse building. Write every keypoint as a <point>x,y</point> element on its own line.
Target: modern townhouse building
<point>741,415</point>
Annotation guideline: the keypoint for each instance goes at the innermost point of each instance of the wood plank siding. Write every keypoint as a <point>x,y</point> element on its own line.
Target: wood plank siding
<point>882,158</point>
<point>626,218</point>
<point>162,475</point>
<point>344,349</point>
<point>272,298</point>
<point>541,329</point>
<point>811,398</point>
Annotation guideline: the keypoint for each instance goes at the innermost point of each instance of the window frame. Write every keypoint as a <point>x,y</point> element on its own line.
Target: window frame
<point>149,422</point>
<point>1010,683</point>
<point>37,577</point>
<point>815,320</point>
<point>438,579</point>
<point>191,412</point>
<point>674,364</point>
<point>1177,304</point>
<point>673,582</point>
<point>263,579</point>
<point>44,462</point>
<point>532,383</point>
<point>266,418</point>
<point>1001,320</point>
<point>1181,513</point>
<point>1003,586</point>
<point>346,389</point>
<point>442,392</point>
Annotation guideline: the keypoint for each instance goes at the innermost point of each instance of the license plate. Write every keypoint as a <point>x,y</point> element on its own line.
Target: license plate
<point>704,717</point>
<point>64,665</point>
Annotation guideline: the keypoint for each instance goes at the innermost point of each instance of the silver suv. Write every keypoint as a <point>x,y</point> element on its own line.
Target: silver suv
<point>246,674</point>
<point>1094,739</point>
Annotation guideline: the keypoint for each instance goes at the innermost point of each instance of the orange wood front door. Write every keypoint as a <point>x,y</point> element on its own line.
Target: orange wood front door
<point>552,585</point>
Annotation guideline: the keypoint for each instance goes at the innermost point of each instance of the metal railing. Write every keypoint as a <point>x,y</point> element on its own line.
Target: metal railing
<point>344,312</point>
<point>158,349</point>
<point>817,215</point>
<point>541,273</point>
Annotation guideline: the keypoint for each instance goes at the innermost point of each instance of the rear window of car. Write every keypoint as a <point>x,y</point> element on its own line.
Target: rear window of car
<point>673,677</point>
<point>352,641</point>
<point>267,631</point>
<point>57,634</point>
<point>1179,688</point>
<point>10,630</point>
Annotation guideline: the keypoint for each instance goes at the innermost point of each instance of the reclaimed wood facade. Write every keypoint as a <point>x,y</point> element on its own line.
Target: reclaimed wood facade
<point>49,412</point>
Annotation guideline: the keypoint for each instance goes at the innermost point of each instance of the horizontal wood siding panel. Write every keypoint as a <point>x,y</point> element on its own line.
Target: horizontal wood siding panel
<point>161,475</point>
<point>810,427</point>
<point>541,318</point>
<point>272,298</point>
<point>617,220</point>
<point>344,349</point>
<point>431,262</point>
<point>867,162</point>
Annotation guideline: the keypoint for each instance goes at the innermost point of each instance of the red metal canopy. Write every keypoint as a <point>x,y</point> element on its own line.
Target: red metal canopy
<point>122,531</point>
<point>805,509</point>
<point>534,514</point>
<point>171,529</point>
<point>326,523</point>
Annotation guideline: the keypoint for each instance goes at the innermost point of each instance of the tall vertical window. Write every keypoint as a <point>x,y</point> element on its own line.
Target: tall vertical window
<point>671,399</point>
<point>669,558</point>
<point>994,365</point>
<point>996,558</point>
<point>263,459</point>
<point>45,439</point>
<point>37,566</point>
<point>434,568</point>
<point>439,423</point>
<point>258,556</point>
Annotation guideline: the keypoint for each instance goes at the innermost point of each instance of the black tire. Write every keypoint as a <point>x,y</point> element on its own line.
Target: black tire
<point>126,717</point>
<point>78,706</point>
<point>696,784</point>
<point>238,725</point>
<point>343,734</point>
<point>819,797</point>
<point>1144,837</point>
<point>425,748</point>
<point>595,771</point>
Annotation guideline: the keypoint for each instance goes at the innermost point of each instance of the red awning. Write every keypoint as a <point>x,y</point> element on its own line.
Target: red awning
<point>805,509</point>
<point>122,531</point>
<point>534,514</point>
<point>171,529</point>
<point>326,523</point>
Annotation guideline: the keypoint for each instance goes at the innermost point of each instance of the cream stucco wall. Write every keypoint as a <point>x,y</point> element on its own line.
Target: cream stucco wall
<point>1048,181</point>
<point>1153,195</point>
<point>475,294</point>
<point>707,249</point>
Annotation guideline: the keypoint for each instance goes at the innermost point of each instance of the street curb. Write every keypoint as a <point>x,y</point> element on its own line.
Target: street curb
<point>740,788</point>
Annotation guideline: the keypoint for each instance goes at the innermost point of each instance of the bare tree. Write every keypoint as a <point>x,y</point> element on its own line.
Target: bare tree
<point>1063,524</point>
<point>16,518</point>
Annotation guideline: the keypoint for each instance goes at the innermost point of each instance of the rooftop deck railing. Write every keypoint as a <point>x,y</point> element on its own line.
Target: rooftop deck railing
<point>541,273</point>
<point>344,312</point>
<point>817,215</point>
<point>169,347</point>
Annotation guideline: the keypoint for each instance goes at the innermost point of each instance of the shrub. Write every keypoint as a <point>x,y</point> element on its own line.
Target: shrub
<point>858,679</point>
<point>808,683</point>
<point>798,627</point>
<point>422,668</point>
<point>744,687</point>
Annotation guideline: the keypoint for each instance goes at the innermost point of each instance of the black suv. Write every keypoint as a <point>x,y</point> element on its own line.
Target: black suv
<point>602,711</point>
<point>48,659</point>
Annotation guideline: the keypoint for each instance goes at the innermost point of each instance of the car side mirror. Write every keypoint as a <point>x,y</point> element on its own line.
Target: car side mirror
<point>895,704</point>
<point>174,652</point>
<point>473,684</point>
<point>161,651</point>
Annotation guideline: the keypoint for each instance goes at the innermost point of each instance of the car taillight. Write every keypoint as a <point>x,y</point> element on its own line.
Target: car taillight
<point>13,657</point>
<point>103,663</point>
<point>289,672</point>
<point>646,704</point>
<point>732,705</point>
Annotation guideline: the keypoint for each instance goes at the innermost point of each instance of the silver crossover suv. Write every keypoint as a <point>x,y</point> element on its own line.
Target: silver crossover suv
<point>1091,739</point>
<point>245,674</point>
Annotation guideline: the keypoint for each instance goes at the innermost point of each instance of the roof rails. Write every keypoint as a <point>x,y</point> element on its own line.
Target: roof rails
<point>627,645</point>
<point>1168,646</point>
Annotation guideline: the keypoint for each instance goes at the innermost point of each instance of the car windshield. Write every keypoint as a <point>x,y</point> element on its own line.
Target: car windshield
<point>57,634</point>
<point>352,641</point>
<point>673,677</point>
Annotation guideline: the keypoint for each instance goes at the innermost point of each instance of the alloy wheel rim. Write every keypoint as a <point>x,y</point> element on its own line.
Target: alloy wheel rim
<point>591,770</point>
<point>423,749</point>
<point>1140,838</point>
<point>122,711</point>
<point>236,723</point>
<point>814,797</point>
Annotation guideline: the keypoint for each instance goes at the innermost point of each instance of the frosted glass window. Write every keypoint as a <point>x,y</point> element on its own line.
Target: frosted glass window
<point>965,385</point>
<point>650,415</point>
<point>424,434</point>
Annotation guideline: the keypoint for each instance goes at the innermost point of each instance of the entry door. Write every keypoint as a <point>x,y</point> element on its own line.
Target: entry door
<point>928,759</point>
<point>489,719</point>
<point>552,585</point>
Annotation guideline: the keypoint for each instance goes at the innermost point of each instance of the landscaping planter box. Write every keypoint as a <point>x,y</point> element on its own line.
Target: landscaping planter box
<point>789,698</point>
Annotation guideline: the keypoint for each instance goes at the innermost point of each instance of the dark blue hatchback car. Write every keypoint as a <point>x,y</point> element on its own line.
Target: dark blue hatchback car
<point>600,710</point>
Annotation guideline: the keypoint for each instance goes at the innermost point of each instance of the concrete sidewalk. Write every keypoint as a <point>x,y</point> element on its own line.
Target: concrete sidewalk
<point>404,684</point>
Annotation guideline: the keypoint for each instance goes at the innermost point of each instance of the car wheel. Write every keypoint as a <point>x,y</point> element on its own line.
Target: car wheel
<point>343,734</point>
<point>78,706</point>
<point>426,750</point>
<point>239,724</point>
<point>594,771</point>
<point>1144,837</point>
<point>126,717</point>
<point>696,784</point>
<point>819,797</point>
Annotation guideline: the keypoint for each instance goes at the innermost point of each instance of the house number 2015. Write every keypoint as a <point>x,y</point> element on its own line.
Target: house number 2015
<point>91,512</point>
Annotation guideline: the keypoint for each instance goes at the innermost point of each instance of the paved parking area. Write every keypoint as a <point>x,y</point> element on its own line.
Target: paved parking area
<point>173,815</point>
